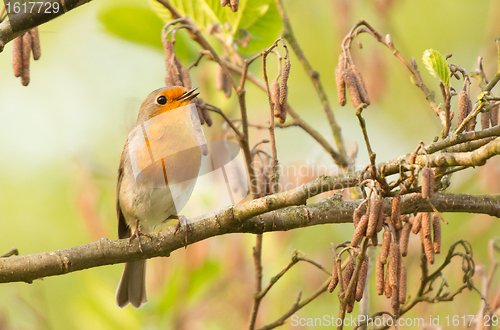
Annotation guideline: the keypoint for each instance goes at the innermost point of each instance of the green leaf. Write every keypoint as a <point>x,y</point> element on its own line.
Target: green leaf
<point>437,66</point>
<point>132,21</point>
<point>259,18</point>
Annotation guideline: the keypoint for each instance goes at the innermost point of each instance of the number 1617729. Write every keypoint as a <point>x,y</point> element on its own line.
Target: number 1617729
<point>464,321</point>
<point>39,7</point>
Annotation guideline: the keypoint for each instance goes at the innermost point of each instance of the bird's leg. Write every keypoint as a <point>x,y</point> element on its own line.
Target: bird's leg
<point>137,234</point>
<point>184,222</point>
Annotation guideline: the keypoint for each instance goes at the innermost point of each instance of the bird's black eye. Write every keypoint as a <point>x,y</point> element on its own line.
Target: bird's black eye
<point>162,100</point>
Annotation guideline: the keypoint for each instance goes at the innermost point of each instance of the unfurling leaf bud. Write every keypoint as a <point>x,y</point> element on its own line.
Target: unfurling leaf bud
<point>339,80</point>
<point>388,40</point>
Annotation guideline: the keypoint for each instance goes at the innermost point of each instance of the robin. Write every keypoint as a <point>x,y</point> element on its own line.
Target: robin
<point>157,173</point>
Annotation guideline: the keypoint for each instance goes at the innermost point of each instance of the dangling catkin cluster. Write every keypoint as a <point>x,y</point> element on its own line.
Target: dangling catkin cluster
<point>22,47</point>
<point>177,75</point>
<point>464,109</point>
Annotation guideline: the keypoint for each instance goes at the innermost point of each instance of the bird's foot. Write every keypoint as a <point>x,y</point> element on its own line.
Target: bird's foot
<point>185,223</point>
<point>137,234</point>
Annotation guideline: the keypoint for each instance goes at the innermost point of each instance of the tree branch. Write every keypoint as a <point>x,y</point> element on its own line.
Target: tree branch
<point>18,24</point>
<point>243,218</point>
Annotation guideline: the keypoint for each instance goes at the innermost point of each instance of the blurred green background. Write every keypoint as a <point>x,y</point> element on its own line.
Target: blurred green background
<point>62,137</point>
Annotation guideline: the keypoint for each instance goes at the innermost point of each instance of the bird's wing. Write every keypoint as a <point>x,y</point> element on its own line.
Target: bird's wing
<point>123,228</point>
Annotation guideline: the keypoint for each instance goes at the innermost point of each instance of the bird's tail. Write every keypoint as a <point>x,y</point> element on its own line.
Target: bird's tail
<point>132,286</point>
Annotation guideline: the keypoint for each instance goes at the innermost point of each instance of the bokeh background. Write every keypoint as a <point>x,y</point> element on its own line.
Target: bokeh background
<point>62,137</point>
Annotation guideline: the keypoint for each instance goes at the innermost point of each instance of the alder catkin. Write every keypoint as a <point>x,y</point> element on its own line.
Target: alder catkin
<point>186,78</point>
<point>350,82</point>
<point>17,56</point>
<point>284,84</point>
<point>35,43</point>
<point>363,274</point>
<point>386,242</point>
<point>335,277</point>
<point>396,212</point>
<point>379,276</point>
<point>346,276</point>
<point>394,258</point>
<point>404,239</point>
<point>356,216</point>
<point>25,75</point>
<point>463,106</point>
<point>427,182</point>
<point>436,233</point>
<point>485,120</point>
<point>417,223</point>
<point>339,80</point>
<point>176,71</point>
<point>402,283</point>
<point>425,237</point>
<point>373,218</point>
<point>360,230</point>
<point>275,98</point>
<point>395,301</point>
<point>234,5</point>
<point>374,239</point>
<point>494,115</point>
<point>360,84</point>
<point>220,78</point>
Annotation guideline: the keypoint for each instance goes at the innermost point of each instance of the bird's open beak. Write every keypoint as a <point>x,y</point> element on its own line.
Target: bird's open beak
<point>188,95</point>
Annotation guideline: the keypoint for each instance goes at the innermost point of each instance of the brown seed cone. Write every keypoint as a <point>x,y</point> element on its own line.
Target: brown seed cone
<point>186,79</point>
<point>417,223</point>
<point>356,216</point>
<point>386,243</point>
<point>35,43</point>
<point>275,96</point>
<point>17,56</point>
<point>485,120</point>
<point>379,276</point>
<point>347,275</point>
<point>350,81</point>
<point>494,115</point>
<point>404,239</point>
<point>463,106</point>
<point>396,212</point>
<point>335,277</point>
<point>339,80</point>
<point>234,5</point>
<point>363,274</point>
<point>25,75</point>
<point>427,182</point>
<point>360,83</point>
<point>402,283</point>
<point>436,233</point>
<point>284,84</point>
<point>425,237</point>
<point>373,218</point>
<point>360,230</point>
